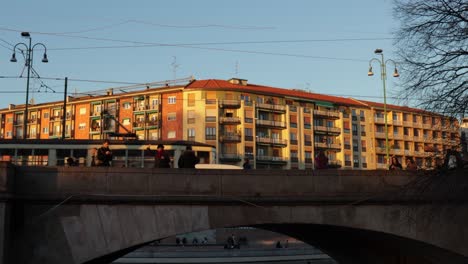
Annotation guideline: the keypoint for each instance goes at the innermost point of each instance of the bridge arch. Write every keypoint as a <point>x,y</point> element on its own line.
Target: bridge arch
<point>94,233</point>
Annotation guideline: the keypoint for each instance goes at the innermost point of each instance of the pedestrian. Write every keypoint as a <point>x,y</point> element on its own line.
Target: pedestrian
<point>104,155</point>
<point>321,161</point>
<point>453,160</point>
<point>188,159</point>
<point>246,164</point>
<point>395,164</point>
<point>411,164</point>
<point>278,244</point>
<point>94,160</point>
<point>161,157</point>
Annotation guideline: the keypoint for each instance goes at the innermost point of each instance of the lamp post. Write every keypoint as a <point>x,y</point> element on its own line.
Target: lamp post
<point>28,63</point>
<point>383,70</point>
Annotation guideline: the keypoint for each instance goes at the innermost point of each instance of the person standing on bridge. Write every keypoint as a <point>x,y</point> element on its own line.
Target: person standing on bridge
<point>104,155</point>
<point>188,159</point>
<point>161,157</point>
<point>395,165</point>
<point>321,161</point>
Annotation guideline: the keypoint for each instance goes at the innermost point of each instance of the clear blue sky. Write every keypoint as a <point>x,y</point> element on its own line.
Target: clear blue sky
<point>321,46</point>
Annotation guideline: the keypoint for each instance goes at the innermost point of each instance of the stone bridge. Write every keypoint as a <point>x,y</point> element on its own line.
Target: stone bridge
<point>95,215</point>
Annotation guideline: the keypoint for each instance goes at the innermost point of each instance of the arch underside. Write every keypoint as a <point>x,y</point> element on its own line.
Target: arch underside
<point>348,234</point>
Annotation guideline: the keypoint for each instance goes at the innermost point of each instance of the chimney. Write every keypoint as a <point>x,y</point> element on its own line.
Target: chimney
<point>238,81</point>
<point>110,91</point>
<point>11,106</point>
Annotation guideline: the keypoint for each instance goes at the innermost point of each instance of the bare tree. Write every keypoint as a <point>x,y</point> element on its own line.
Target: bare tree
<point>432,47</point>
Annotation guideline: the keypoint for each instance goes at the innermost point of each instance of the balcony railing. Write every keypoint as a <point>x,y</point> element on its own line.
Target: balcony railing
<point>333,130</point>
<point>229,120</point>
<point>231,137</point>
<point>380,120</point>
<point>271,159</point>
<point>229,104</point>
<point>328,114</point>
<point>230,157</point>
<point>273,107</point>
<point>273,141</point>
<point>271,123</point>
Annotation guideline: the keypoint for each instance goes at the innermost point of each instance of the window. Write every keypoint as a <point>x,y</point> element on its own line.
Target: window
<point>82,126</point>
<point>363,146</point>
<point>191,134</point>
<point>210,98</point>
<point>171,100</point>
<point>171,134</point>
<point>381,159</point>
<point>126,121</point>
<point>210,115</point>
<point>248,151</point>
<point>245,97</point>
<point>347,143</point>
<point>191,99</point>
<point>355,161</point>
<point>46,115</point>
<point>126,105</point>
<point>45,130</point>
<point>355,132</point>
<point>210,133</point>
<point>347,158</point>
<point>82,111</point>
<point>154,102</point>
<point>362,116</point>
<point>395,130</point>
<point>171,116</point>
<point>248,134</point>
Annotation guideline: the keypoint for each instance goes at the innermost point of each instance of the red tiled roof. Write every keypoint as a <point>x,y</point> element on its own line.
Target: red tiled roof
<point>213,84</point>
<point>395,107</point>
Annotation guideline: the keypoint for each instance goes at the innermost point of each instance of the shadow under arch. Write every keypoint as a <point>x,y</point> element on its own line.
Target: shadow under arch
<point>346,246</point>
<point>358,246</point>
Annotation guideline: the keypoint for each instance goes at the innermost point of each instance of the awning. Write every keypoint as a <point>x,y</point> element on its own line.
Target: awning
<point>324,104</point>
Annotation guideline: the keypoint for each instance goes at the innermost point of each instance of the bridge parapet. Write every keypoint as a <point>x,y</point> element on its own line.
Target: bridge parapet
<point>136,184</point>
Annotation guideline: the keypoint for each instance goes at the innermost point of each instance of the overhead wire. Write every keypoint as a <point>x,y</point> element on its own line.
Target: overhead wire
<point>196,45</point>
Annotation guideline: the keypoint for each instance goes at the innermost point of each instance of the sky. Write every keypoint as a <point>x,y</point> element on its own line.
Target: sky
<point>318,46</point>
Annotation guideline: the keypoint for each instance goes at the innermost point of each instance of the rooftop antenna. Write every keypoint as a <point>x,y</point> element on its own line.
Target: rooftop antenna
<point>237,69</point>
<point>174,67</point>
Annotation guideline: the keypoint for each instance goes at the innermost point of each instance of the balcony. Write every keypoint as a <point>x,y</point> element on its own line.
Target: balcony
<point>321,145</point>
<point>407,124</point>
<point>152,124</point>
<point>232,104</point>
<point>271,159</point>
<point>271,123</point>
<point>230,157</point>
<point>272,141</point>
<point>229,120</point>
<point>380,120</point>
<point>380,134</point>
<point>327,130</point>
<point>230,137</point>
<point>138,125</point>
<point>397,122</point>
<point>33,121</point>
<point>272,107</point>
<point>327,114</point>
<point>56,118</point>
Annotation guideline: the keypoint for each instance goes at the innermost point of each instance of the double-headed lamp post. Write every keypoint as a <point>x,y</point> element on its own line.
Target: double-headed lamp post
<point>28,63</point>
<point>383,70</point>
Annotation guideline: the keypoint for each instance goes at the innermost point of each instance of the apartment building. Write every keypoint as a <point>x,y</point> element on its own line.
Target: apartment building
<point>273,127</point>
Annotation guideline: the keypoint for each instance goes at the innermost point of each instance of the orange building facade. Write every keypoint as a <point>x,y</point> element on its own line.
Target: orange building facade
<point>273,127</point>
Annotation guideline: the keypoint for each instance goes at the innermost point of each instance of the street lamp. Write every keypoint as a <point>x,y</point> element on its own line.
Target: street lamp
<point>28,63</point>
<point>383,71</point>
